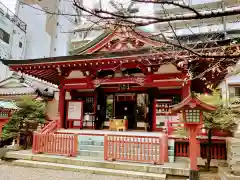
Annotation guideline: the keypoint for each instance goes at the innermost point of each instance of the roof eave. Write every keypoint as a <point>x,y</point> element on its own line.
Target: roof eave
<point>197,102</point>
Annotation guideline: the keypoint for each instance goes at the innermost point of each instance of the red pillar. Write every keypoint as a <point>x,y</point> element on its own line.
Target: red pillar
<point>198,148</point>
<point>186,89</point>
<point>154,123</point>
<point>193,148</point>
<point>61,106</point>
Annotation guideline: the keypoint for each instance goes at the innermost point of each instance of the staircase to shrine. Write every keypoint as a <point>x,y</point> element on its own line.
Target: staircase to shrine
<point>89,155</point>
<point>92,146</point>
<point>97,165</point>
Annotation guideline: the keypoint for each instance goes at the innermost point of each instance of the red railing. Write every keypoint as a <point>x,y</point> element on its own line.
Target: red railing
<point>218,149</point>
<point>135,148</point>
<point>58,144</point>
<point>181,149</point>
<point>172,127</point>
<point>50,127</point>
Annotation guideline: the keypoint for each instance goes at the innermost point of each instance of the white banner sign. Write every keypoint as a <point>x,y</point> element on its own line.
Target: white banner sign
<point>75,110</point>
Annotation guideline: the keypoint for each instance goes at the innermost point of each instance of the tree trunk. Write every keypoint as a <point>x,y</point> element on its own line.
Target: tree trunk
<point>209,155</point>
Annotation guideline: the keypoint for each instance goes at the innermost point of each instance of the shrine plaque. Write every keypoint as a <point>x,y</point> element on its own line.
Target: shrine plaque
<point>74,110</point>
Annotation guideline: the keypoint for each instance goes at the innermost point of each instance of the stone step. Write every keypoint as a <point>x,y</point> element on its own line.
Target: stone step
<point>93,170</point>
<point>91,153</point>
<point>133,149</point>
<point>91,140</point>
<point>100,154</point>
<point>175,169</point>
<point>91,148</point>
<point>95,143</point>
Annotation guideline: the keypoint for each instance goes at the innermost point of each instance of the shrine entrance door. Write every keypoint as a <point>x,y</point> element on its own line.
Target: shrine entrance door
<point>126,106</point>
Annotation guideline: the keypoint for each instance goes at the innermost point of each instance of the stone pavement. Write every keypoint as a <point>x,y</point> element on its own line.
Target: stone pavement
<point>9,172</point>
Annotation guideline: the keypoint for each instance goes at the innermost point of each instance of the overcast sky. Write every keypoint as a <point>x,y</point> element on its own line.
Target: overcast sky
<point>10,4</point>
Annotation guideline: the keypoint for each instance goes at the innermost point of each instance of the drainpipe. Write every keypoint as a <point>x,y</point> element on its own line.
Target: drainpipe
<point>226,91</point>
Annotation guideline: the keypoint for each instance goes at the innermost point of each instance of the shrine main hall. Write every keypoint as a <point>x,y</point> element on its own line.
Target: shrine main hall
<point>124,75</point>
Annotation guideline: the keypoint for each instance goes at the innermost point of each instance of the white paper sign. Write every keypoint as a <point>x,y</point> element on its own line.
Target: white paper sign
<point>75,110</point>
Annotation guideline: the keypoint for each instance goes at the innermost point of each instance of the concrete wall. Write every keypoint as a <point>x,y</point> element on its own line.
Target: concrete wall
<point>60,42</point>
<point>52,109</point>
<point>37,39</point>
<point>16,46</point>
<point>18,43</point>
<point>47,34</point>
<point>52,106</point>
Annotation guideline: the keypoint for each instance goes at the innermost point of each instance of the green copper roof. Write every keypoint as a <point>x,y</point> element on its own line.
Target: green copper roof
<point>102,55</point>
<point>90,44</point>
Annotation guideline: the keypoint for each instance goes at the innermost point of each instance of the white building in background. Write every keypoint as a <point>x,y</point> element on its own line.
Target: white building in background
<point>221,28</point>
<point>83,34</point>
<point>195,30</point>
<point>47,34</point>
<point>230,87</point>
<point>32,33</point>
<point>12,38</point>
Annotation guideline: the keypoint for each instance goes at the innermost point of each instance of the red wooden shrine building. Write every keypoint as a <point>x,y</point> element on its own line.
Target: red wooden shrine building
<point>124,68</point>
<point>6,110</point>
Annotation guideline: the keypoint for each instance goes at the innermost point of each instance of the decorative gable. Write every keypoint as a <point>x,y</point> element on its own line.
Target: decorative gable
<point>123,39</point>
<point>118,39</point>
<point>123,44</point>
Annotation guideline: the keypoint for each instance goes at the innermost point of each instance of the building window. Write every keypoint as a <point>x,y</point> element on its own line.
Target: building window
<point>1,11</point>
<point>234,94</point>
<point>237,91</point>
<point>234,91</point>
<point>89,105</point>
<point>4,36</point>
<point>20,44</point>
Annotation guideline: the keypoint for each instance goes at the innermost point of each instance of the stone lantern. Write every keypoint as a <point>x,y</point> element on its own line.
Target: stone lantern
<point>192,116</point>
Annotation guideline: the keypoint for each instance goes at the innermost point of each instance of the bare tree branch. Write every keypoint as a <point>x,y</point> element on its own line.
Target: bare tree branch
<point>215,56</point>
<point>154,20</point>
<point>169,3</point>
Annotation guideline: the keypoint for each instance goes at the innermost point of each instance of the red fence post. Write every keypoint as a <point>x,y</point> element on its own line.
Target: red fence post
<point>165,147</point>
<point>75,145</point>
<point>162,151</point>
<point>142,149</point>
<point>34,143</point>
<point>105,147</point>
<point>218,149</point>
<point>59,144</point>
